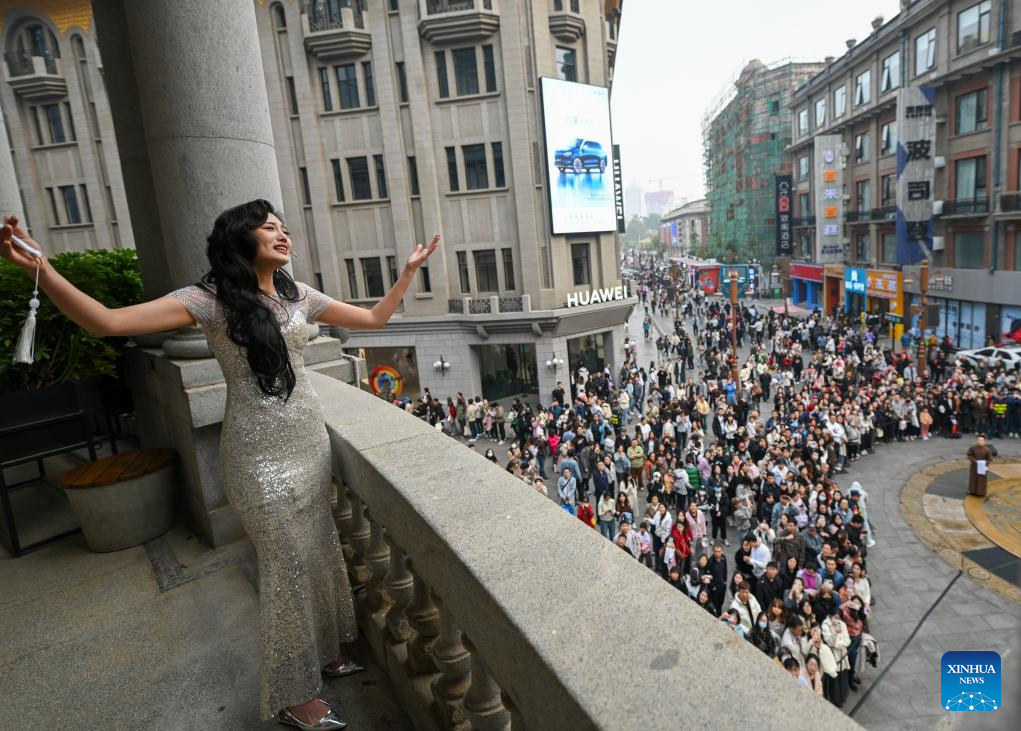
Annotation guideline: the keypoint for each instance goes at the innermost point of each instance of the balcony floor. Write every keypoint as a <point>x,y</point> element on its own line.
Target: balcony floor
<point>91,636</point>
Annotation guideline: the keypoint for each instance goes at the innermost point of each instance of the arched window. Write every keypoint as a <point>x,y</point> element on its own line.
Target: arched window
<point>279,19</point>
<point>31,39</point>
<point>78,47</point>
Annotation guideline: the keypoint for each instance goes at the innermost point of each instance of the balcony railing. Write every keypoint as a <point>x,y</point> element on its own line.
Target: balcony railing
<point>336,29</point>
<point>565,21</point>
<point>857,216</point>
<point>512,304</point>
<point>328,15</point>
<point>966,206</point>
<point>447,21</point>
<point>1010,202</point>
<point>455,306</point>
<point>457,601</point>
<point>23,64</point>
<point>803,221</point>
<point>886,213</point>
<point>35,77</point>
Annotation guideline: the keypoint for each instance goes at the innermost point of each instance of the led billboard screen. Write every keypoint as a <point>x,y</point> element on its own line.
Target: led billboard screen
<point>579,157</point>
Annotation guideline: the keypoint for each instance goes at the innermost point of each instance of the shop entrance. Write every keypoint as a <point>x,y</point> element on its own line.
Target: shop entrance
<point>588,351</point>
<point>508,371</point>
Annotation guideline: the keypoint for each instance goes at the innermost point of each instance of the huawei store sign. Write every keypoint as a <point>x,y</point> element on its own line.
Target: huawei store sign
<point>595,296</point>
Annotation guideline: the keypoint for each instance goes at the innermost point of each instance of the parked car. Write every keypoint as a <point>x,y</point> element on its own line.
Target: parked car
<point>1009,357</point>
<point>581,156</point>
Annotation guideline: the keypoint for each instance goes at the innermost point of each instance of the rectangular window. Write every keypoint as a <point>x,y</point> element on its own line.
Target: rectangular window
<point>70,121</point>
<point>391,268</point>
<point>462,271</point>
<point>393,6</point>
<point>863,194</point>
<point>85,202</point>
<point>863,88</point>
<point>890,78</point>
<point>889,253</point>
<point>380,176</point>
<point>774,107</point>
<point>500,180</point>
<point>925,51</point>
<point>402,82</point>
<point>971,111</point>
<point>56,124</point>
<point>39,140</point>
<point>413,174</point>
<point>338,181</point>
<point>352,278</point>
<point>466,71</point>
<point>508,269</point>
<point>971,179</point>
<point>441,74</point>
<point>969,249</point>
<point>347,85</point>
<point>372,275</point>
<point>803,167</point>
<point>324,83</point>
<point>839,101</point>
<point>427,285</point>
<point>973,26</point>
<point>861,247</point>
<point>820,112</point>
<point>306,192</point>
<point>455,184</point>
<point>292,96</point>
<point>805,204</point>
<point>370,84</point>
<point>862,145</point>
<point>358,173</point>
<point>888,138</point>
<point>888,187</point>
<point>53,206</point>
<point>567,64</point>
<point>71,212</point>
<point>581,266</point>
<point>476,172</point>
<point>802,122</point>
<point>489,64</point>
<point>485,270</point>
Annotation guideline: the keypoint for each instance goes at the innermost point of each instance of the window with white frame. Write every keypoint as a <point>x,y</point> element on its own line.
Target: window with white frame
<point>863,88</point>
<point>925,51</point>
<point>890,72</point>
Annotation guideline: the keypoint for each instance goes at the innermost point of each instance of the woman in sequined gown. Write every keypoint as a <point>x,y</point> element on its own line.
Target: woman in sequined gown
<point>274,449</point>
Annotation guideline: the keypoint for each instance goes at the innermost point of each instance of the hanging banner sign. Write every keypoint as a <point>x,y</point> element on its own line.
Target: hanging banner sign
<point>829,200</point>
<point>782,190</point>
<point>916,134</point>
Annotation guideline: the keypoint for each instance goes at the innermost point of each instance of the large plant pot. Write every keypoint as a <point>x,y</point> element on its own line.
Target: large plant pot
<point>132,509</point>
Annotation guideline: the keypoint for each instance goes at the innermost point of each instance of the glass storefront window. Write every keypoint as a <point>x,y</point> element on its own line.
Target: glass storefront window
<point>588,351</point>
<point>508,370</point>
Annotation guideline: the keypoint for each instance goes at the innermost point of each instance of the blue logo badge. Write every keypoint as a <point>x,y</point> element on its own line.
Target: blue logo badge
<point>970,681</point>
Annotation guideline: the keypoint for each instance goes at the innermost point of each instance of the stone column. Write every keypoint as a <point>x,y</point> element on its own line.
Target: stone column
<point>202,95</point>
<point>10,195</point>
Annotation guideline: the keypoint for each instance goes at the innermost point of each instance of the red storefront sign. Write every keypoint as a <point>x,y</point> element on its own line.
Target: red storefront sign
<point>709,279</point>
<point>809,272</point>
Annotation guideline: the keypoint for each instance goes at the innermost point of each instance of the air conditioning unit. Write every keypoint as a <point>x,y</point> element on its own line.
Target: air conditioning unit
<point>847,196</point>
<point>844,150</point>
<point>939,243</point>
<point>938,161</point>
<point>937,208</point>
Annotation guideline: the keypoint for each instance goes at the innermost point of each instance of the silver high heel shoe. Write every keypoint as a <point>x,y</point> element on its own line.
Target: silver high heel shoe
<point>348,668</point>
<point>329,721</point>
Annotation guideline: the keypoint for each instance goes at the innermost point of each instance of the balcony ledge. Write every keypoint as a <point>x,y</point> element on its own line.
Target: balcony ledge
<point>347,40</point>
<point>566,26</point>
<point>464,25</point>
<point>40,85</point>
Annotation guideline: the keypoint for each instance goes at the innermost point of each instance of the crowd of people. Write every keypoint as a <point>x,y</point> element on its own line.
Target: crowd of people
<point>675,459</point>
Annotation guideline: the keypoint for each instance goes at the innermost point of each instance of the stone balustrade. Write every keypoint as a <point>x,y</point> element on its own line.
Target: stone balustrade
<point>491,608</point>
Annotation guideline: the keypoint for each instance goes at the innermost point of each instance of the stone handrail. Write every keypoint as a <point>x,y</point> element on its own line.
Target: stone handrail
<point>492,608</point>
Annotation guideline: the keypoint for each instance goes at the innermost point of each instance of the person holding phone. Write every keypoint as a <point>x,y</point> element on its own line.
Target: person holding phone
<point>274,448</point>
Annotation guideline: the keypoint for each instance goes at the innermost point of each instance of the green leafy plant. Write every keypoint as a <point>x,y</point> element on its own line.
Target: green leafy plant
<point>63,350</point>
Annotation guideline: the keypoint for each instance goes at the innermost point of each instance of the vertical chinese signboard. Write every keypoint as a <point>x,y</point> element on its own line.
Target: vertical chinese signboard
<point>829,200</point>
<point>916,132</point>
<point>784,242</point>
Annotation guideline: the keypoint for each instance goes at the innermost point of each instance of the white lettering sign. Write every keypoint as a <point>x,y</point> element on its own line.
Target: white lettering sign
<point>591,297</point>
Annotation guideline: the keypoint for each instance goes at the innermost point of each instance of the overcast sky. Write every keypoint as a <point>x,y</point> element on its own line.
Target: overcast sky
<point>676,57</point>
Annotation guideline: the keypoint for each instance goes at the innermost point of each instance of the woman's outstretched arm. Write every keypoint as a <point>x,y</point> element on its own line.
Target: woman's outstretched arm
<point>158,315</point>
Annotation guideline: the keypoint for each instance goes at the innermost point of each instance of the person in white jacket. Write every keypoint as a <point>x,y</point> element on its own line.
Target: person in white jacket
<point>747,607</point>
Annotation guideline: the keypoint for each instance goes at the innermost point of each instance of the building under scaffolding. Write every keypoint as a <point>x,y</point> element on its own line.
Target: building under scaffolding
<point>744,134</point>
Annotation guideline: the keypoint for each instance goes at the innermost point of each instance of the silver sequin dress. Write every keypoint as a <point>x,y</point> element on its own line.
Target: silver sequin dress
<point>276,467</point>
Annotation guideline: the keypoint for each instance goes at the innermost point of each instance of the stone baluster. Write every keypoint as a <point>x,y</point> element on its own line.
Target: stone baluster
<point>517,723</point>
<point>377,561</point>
<point>400,587</point>
<point>357,532</point>
<point>424,618</point>
<point>482,703</point>
<point>342,510</point>
<point>454,664</point>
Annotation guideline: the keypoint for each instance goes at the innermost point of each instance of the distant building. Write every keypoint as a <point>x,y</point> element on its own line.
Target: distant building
<point>745,134</point>
<point>659,201</point>
<point>633,202</point>
<point>685,227</point>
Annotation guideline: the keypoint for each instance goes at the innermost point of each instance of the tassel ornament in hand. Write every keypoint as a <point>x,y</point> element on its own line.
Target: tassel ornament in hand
<point>25,350</point>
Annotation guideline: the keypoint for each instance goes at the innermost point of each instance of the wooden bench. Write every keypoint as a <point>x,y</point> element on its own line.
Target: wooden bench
<point>124,499</point>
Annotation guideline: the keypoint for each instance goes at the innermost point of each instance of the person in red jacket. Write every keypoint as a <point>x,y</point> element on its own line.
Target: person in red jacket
<point>682,541</point>
<point>586,514</point>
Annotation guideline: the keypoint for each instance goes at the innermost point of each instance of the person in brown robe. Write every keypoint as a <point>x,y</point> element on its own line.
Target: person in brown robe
<point>979,451</point>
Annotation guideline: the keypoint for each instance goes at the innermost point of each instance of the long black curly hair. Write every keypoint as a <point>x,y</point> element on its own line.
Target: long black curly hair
<point>250,322</point>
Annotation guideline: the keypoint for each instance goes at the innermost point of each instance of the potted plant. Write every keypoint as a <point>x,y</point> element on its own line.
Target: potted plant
<point>73,370</point>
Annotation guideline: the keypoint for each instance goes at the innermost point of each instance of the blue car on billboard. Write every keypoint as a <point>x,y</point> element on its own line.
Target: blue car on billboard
<point>581,156</point>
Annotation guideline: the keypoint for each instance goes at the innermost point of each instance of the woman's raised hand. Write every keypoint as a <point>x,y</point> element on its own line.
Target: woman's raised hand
<point>421,253</point>
<point>11,251</point>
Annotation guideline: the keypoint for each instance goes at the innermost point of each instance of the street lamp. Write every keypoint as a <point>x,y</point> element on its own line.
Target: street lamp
<point>442,366</point>
<point>733,329</point>
<point>554,363</point>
